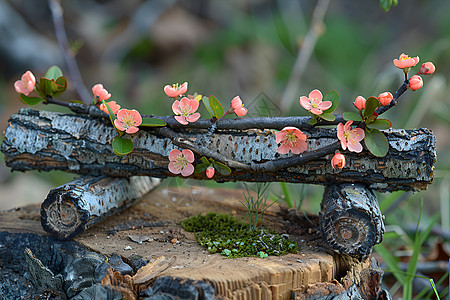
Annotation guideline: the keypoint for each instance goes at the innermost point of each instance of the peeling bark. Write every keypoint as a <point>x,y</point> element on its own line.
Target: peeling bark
<point>41,140</point>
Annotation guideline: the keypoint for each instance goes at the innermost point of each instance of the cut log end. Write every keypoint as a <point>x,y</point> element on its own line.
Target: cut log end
<point>350,219</point>
<point>71,208</point>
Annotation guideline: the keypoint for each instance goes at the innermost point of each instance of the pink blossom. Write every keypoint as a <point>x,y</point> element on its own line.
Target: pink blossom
<point>238,107</point>
<point>404,61</point>
<point>185,110</point>
<point>338,161</point>
<point>175,90</point>
<point>350,137</point>
<point>181,162</point>
<point>128,120</point>
<point>291,138</point>
<point>100,93</point>
<point>314,103</point>
<point>385,98</point>
<point>415,82</point>
<point>360,103</point>
<point>26,84</point>
<point>427,68</point>
<point>210,172</point>
<point>113,105</point>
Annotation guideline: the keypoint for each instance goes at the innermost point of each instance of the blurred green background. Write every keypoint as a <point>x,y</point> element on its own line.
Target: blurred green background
<point>245,48</point>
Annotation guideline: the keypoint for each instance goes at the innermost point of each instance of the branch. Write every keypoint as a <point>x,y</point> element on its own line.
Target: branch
<point>58,22</point>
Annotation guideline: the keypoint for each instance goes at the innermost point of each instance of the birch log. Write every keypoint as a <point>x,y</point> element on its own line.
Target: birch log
<point>73,207</point>
<point>42,140</point>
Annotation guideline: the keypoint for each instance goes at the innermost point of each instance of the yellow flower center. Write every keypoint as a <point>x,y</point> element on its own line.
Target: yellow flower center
<point>291,139</point>
<point>128,121</point>
<point>405,57</point>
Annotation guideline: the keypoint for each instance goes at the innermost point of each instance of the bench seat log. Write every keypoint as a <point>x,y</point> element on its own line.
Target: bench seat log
<point>72,208</point>
<point>42,140</point>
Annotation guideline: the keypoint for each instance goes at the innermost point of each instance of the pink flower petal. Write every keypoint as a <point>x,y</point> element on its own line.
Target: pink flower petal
<point>194,105</point>
<point>181,120</point>
<point>183,89</point>
<point>301,147</point>
<point>185,102</point>
<point>348,125</point>
<point>174,154</point>
<point>174,168</point>
<point>176,107</point>
<point>136,116</point>
<point>356,134</point>
<point>283,149</point>
<point>193,117</point>
<point>118,125</point>
<point>188,170</point>
<point>305,103</point>
<point>240,112</point>
<point>189,155</point>
<point>324,105</point>
<point>280,135</point>
<point>315,95</point>
<point>236,103</point>
<point>316,111</point>
<point>340,131</point>
<point>132,130</point>
<point>354,147</point>
<point>170,91</point>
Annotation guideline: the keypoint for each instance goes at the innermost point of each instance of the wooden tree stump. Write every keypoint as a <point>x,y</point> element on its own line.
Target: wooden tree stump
<point>150,232</point>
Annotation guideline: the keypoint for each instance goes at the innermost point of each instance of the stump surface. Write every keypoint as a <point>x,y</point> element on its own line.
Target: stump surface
<point>151,230</point>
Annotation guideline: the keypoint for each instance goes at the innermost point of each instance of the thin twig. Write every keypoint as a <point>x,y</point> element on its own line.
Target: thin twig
<point>304,54</point>
<point>181,141</point>
<point>58,22</point>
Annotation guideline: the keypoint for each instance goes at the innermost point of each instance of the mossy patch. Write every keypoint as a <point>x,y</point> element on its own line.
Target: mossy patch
<point>231,238</point>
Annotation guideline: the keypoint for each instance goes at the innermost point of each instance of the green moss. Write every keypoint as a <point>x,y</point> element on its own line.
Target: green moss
<point>225,235</point>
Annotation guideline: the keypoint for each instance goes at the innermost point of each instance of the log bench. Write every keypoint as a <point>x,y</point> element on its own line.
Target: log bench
<point>350,219</point>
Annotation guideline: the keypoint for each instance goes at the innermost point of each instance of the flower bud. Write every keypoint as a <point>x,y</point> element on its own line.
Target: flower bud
<point>338,161</point>
<point>210,172</point>
<point>360,103</point>
<point>427,68</point>
<point>415,82</point>
<point>385,98</point>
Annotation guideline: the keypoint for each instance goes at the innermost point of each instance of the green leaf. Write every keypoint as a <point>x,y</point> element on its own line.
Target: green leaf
<point>351,116</point>
<point>200,168</point>
<point>112,117</point>
<point>327,116</point>
<point>44,87</point>
<point>208,107</point>
<point>379,124</point>
<point>386,4</point>
<point>332,96</point>
<point>122,146</point>
<point>221,168</point>
<point>59,86</point>
<point>152,122</point>
<point>216,107</point>
<point>205,160</point>
<point>30,100</point>
<point>376,142</point>
<point>371,105</point>
<point>312,121</point>
<point>54,72</point>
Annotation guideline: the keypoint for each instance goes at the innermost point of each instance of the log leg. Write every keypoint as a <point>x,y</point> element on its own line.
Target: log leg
<point>73,207</point>
<point>350,219</point>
